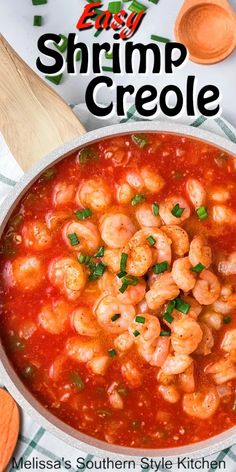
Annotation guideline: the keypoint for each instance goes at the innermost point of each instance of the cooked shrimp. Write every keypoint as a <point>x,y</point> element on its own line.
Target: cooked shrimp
<point>179,238</point>
<point>165,379</point>
<point>146,217</point>
<point>156,353</point>
<point>227,301</point>
<point>66,274</point>
<point>205,346</point>
<point>124,193</point>
<point>117,150</point>
<point>166,207</point>
<point>99,364</point>
<point>87,234</point>
<point>162,290</point>
<point>36,235</point>
<point>54,317</point>
<point>112,259</point>
<point>186,380</point>
<point>110,306</point>
<point>176,364</point>
<point>124,342</point>
<point>161,247</point>
<point>131,374</point>
<point>222,371</point>
<point>148,331</point>
<point>26,273</point>
<point>115,399</point>
<point>63,194</point>
<point>207,288</point>
<point>201,404</point>
<point>228,266</point>
<point>56,218</point>
<point>110,284</point>
<point>219,194</point>
<point>117,229</point>
<point>84,322</point>
<point>170,393</point>
<point>135,180</point>
<point>182,275</point>
<point>140,259</point>
<point>153,182</point>
<point>229,341</point>
<point>82,349</point>
<point>196,192</point>
<point>186,335</point>
<point>94,194</point>
<point>223,215</point>
<point>199,252</point>
<point>212,319</point>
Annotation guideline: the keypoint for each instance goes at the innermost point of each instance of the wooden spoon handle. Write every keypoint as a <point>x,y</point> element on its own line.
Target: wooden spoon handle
<point>34,119</point>
<point>9,427</point>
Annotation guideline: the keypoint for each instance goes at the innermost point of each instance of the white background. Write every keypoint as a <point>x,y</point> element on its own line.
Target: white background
<point>61,16</point>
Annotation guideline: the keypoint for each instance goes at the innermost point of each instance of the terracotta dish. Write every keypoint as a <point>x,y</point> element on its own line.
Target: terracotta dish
<point>9,427</point>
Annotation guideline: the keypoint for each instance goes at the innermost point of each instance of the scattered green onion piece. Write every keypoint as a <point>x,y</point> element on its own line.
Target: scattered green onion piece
<point>123,261</point>
<point>16,344</point>
<point>83,214</point>
<point>107,69</point>
<point>112,352</point>
<point>77,381</point>
<point>100,252</point>
<point>62,46</point>
<point>39,2</point>
<point>165,333</point>
<point>87,154</point>
<point>167,317</point>
<point>140,140</point>
<point>170,307</point>
<point>136,333</point>
<point>227,319</point>
<point>151,240</point>
<point>177,211</point>
<point>137,7</point>
<point>198,268</point>
<point>161,267</point>
<point>202,213</point>
<point>155,209</point>
<point>28,371</point>
<point>55,79</point>
<point>38,20</point>
<point>115,317</point>
<point>159,39</point>
<point>109,55</point>
<point>97,270</point>
<point>104,412</point>
<point>74,240</point>
<point>126,281</point>
<point>83,259</point>
<point>114,7</point>
<point>140,319</point>
<point>122,391</point>
<point>137,199</point>
<point>154,1</point>
<point>16,220</point>
<point>98,32</point>
<point>182,306</point>
<point>48,174</point>
<point>121,274</point>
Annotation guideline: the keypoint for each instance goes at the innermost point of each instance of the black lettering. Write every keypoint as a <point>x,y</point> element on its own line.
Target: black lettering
<point>93,107</point>
<point>48,52</point>
<point>72,50</point>
<point>143,51</point>
<point>140,101</point>
<point>173,111</point>
<point>121,91</point>
<point>202,100</point>
<point>170,63</point>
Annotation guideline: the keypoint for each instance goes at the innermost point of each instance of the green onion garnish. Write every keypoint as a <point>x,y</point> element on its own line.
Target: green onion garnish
<point>182,306</point>
<point>161,267</point>
<point>137,6</point>
<point>77,381</point>
<point>202,213</point>
<point>136,333</point>
<point>140,319</point>
<point>227,319</point>
<point>112,352</point>
<point>123,261</point>
<point>96,271</point>
<point>109,55</point>
<point>170,307</point>
<point>159,39</point>
<point>62,46</point>
<point>155,209</point>
<point>126,281</point>
<point>39,2</point>
<point>165,333</point>
<point>168,318</point>
<point>107,69</point>
<point>115,317</point>
<point>38,20</point>
<point>114,7</point>
<point>28,371</point>
<point>121,274</point>
<point>48,174</point>
<point>139,140</point>
<point>55,79</point>
<point>74,240</point>
<point>86,155</point>
<point>83,214</point>
<point>151,240</point>
<point>137,199</point>
<point>83,259</point>
<point>177,211</point>
<point>198,268</point>
<point>100,252</point>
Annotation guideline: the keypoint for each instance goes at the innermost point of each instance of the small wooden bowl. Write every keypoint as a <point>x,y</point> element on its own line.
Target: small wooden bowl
<point>208,29</point>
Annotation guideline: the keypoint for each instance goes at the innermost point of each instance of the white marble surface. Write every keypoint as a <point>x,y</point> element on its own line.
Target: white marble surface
<point>61,16</point>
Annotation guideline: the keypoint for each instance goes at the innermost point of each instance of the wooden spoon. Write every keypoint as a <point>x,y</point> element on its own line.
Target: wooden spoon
<point>208,29</point>
<point>34,119</point>
<point>9,427</point>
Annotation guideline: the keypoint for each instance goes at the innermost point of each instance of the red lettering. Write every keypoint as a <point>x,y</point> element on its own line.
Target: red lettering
<point>88,13</point>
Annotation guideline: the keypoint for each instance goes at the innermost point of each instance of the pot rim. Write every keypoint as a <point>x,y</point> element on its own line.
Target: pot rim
<point>13,383</point>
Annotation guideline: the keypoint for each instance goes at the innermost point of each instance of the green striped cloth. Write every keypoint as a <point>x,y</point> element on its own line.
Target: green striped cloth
<point>36,444</point>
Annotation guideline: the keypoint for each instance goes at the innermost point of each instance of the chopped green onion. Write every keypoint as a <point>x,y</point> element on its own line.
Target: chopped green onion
<point>198,268</point>
<point>165,333</point>
<point>139,139</point>
<point>167,317</point>
<point>55,79</point>
<point>154,1</point>
<point>39,2</point>
<point>227,319</point>
<point>161,267</point>
<point>137,199</point>
<point>155,209</point>
<point>109,55</point>
<point>159,39</point>
<point>177,211</point>
<point>202,213</point>
<point>136,333</point>
<point>151,240</point>
<point>170,307</point>
<point>97,270</point>
<point>182,306</point>
<point>83,259</point>
<point>98,32</point>
<point>126,281</point>
<point>38,20</point>
<point>137,6</point>
<point>77,381</point>
<point>83,214</point>
<point>100,252</point>
<point>122,391</point>
<point>115,317</point>
<point>16,220</point>
<point>62,46</point>
<point>114,7</point>
<point>16,344</point>
<point>112,352</point>
<point>48,174</point>
<point>123,261</point>
<point>104,412</point>
<point>107,69</point>
<point>87,154</point>
<point>121,274</point>
<point>140,319</point>
<point>74,240</point>
<point>28,371</point>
